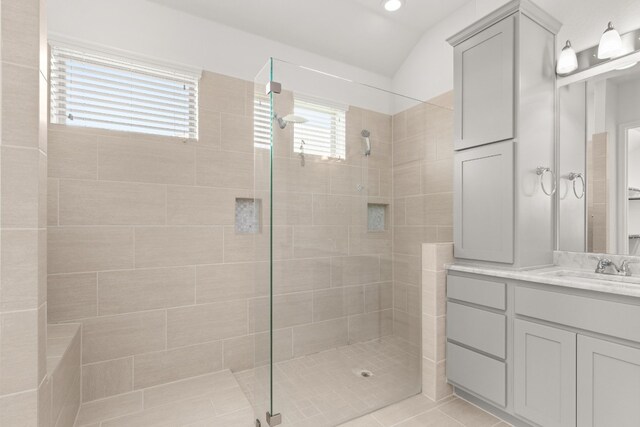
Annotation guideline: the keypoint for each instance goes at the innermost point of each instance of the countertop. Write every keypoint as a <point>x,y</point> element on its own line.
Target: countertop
<point>561,276</point>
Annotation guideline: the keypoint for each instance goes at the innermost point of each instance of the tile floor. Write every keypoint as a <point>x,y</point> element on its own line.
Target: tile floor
<point>420,411</point>
<point>213,399</point>
<point>317,390</point>
<point>327,389</point>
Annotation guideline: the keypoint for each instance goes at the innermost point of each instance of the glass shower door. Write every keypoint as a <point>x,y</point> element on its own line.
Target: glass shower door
<point>259,388</point>
<point>330,344</point>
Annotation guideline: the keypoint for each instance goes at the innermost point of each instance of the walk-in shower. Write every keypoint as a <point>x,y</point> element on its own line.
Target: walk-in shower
<point>330,344</point>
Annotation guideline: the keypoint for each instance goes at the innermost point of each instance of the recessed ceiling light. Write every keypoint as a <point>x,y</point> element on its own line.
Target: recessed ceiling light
<point>392,5</point>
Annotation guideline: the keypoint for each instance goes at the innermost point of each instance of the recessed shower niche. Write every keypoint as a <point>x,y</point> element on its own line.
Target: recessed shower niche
<point>376,217</point>
<point>248,216</point>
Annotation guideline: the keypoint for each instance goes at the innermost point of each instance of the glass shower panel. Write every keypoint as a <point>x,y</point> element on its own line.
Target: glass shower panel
<point>334,344</point>
<point>258,383</point>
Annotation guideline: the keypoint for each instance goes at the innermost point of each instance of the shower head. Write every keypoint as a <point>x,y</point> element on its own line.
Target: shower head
<point>289,118</point>
<point>367,143</point>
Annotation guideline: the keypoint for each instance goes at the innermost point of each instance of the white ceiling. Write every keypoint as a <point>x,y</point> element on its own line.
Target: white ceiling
<point>356,32</point>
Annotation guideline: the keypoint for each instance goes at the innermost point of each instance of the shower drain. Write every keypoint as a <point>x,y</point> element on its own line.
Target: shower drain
<point>363,373</point>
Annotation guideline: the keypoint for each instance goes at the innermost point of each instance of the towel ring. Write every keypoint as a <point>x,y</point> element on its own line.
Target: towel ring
<point>541,171</point>
<point>573,177</point>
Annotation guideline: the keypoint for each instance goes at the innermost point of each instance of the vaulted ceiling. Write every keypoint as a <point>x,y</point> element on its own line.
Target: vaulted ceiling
<point>357,32</point>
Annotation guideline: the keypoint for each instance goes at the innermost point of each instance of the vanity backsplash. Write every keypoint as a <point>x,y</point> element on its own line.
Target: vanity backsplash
<point>588,261</point>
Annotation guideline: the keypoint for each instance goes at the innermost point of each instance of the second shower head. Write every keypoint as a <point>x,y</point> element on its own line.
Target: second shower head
<point>289,118</point>
<point>367,142</point>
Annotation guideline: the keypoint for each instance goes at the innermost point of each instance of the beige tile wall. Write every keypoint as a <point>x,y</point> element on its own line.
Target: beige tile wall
<point>62,402</point>
<point>422,203</point>
<point>435,256</point>
<point>597,210</point>
<point>23,165</point>
<point>143,250</point>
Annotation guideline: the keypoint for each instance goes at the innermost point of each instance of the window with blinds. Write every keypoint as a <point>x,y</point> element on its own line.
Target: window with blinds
<point>261,121</point>
<point>324,132</point>
<point>114,93</point>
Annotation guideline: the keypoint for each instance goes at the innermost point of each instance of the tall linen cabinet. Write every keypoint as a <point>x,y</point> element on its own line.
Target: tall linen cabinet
<point>504,83</point>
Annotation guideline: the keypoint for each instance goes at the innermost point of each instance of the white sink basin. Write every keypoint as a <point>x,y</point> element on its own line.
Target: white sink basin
<point>586,275</point>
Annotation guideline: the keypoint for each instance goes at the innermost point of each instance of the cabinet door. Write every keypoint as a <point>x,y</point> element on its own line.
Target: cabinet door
<point>544,374</point>
<point>484,89</point>
<point>483,203</point>
<point>608,384</point>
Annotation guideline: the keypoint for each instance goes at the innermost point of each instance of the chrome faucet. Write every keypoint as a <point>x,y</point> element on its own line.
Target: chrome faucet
<point>603,263</point>
<point>623,270</point>
<point>624,267</point>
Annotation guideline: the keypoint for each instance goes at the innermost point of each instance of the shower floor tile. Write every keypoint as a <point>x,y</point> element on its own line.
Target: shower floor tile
<point>328,388</point>
<point>214,399</point>
<point>323,389</point>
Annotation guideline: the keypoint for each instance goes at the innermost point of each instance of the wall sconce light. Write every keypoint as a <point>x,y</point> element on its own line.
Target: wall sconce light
<point>610,43</point>
<point>567,61</point>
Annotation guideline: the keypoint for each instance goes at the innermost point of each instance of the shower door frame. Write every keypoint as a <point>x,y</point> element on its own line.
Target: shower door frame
<point>272,89</point>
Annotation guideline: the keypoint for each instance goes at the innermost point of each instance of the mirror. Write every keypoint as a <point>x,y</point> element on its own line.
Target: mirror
<point>599,164</point>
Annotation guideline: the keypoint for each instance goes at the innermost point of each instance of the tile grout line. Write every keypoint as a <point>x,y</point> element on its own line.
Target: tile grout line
<point>452,418</point>
<point>481,409</point>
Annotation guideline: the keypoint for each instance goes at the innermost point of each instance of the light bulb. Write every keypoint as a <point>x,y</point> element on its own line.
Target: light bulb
<point>567,62</point>
<point>392,5</point>
<point>610,43</point>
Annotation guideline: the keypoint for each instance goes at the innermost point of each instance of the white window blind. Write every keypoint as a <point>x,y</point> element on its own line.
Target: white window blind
<point>114,93</point>
<point>324,132</point>
<point>261,121</point>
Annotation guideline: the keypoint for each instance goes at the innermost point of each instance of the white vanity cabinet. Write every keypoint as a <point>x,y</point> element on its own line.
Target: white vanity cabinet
<point>608,384</point>
<point>504,110</point>
<point>543,355</point>
<point>476,336</point>
<point>544,374</point>
<point>484,86</point>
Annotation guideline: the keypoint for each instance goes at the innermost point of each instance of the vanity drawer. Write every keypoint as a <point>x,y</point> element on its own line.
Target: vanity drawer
<point>477,373</point>
<point>477,328</point>
<point>477,291</point>
<point>605,317</point>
